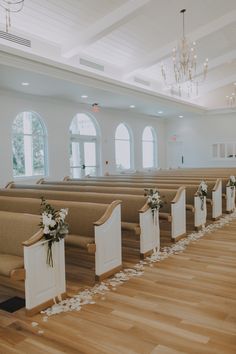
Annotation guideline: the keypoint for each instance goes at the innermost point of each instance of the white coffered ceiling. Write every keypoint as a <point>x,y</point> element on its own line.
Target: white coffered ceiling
<point>127,40</point>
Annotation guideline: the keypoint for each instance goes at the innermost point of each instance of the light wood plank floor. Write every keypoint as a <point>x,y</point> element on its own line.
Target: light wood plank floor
<point>183,305</point>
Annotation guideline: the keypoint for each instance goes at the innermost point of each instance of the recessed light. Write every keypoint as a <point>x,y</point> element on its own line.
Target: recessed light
<point>84,96</point>
<point>160,112</point>
<point>181,116</point>
<point>25,84</point>
<point>132,106</point>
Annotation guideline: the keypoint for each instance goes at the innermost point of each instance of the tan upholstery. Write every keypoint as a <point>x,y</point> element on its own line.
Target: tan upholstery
<point>164,216</point>
<point>80,218</point>
<point>79,241</point>
<point>62,193</point>
<point>130,226</point>
<point>14,229</point>
<point>9,262</point>
<point>131,204</point>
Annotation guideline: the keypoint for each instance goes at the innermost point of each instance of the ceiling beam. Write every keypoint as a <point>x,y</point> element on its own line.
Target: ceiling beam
<point>102,27</point>
<point>217,84</point>
<point>164,52</point>
<point>223,59</point>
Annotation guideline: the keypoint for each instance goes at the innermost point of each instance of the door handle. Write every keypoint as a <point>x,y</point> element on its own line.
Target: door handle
<point>83,167</point>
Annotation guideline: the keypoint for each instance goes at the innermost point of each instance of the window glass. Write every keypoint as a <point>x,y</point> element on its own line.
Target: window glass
<point>83,147</point>
<point>82,125</point>
<point>148,148</point>
<point>28,145</point>
<point>122,148</point>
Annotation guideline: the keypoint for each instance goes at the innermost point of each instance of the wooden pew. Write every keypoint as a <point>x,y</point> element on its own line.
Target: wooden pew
<point>22,258</point>
<point>94,227</point>
<point>214,197</point>
<point>173,210</point>
<point>136,215</point>
<point>164,182</point>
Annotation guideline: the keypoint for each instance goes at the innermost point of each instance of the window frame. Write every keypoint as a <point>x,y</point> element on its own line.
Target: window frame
<point>82,138</point>
<point>155,148</point>
<point>45,146</point>
<point>130,140</point>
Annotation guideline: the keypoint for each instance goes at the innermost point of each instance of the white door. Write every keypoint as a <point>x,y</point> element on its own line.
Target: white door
<point>175,155</point>
<point>83,158</point>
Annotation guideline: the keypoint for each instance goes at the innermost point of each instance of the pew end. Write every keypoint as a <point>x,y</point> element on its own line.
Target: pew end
<point>40,181</point>
<point>108,255</point>
<point>217,200</point>
<point>230,199</point>
<point>178,215</point>
<point>200,214</point>
<point>9,185</point>
<point>42,282</point>
<point>150,231</point>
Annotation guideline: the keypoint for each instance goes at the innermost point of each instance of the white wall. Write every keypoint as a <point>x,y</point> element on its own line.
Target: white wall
<point>197,136</point>
<point>57,115</point>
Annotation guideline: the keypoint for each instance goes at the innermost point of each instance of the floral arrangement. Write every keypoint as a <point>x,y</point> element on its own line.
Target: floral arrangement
<point>154,200</point>
<point>232,181</point>
<point>53,225</point>
<point>232,184</point>
<point>202,192</point>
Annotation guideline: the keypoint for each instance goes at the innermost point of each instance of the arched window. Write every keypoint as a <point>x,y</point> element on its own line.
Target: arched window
<point>29,145</point>
<point>84,154</point>
<point>149,148</point>
<point>122,147</point>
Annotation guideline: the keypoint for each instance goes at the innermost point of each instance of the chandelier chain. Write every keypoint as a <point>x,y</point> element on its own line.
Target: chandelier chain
<point>11,6</point>
<point>184,66</point>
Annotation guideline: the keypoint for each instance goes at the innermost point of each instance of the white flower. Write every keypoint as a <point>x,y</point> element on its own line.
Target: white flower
<point>48,220</point>
<point>63,213</point>
<point>46,230</point>
<point>203,186</point>
<point>232,179</point>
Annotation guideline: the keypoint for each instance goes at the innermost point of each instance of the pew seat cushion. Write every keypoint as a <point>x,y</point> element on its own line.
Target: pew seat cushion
<point>78,241</point>
<point>131,226</point>
<point>9,262</point>
<point>164,216</point>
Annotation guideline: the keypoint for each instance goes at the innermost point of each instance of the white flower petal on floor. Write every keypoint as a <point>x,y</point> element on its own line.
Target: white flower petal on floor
<point>88,296</point>
<point>34,324</point>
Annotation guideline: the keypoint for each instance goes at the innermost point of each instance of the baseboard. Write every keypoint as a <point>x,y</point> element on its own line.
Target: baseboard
<point>108,274</point>
<point>176,239</point>
<point>146,254</point>
<point>199,228</point>
<point>44,305</point>
<point>217,218</point>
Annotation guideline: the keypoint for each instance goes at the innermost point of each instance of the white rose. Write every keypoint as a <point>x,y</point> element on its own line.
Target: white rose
<point>46,230</point>
<point>52,223</point>
<point>63,213</point>
<point>46,219</point>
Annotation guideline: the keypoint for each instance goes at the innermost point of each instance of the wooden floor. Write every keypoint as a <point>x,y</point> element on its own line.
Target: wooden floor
<point>185,304</point>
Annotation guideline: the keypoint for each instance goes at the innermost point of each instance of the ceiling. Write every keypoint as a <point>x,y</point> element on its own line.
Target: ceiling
<point>126,41</point>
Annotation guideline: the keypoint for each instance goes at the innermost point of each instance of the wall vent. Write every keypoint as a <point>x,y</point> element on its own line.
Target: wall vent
<point>91,64</point>
<point>15,39</point>
<point>142,82</point>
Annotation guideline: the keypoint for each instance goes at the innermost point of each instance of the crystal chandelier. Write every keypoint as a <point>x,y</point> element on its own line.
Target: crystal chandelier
<point>183,71</point>
<point>10,6</point>
<point>230,99</point>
